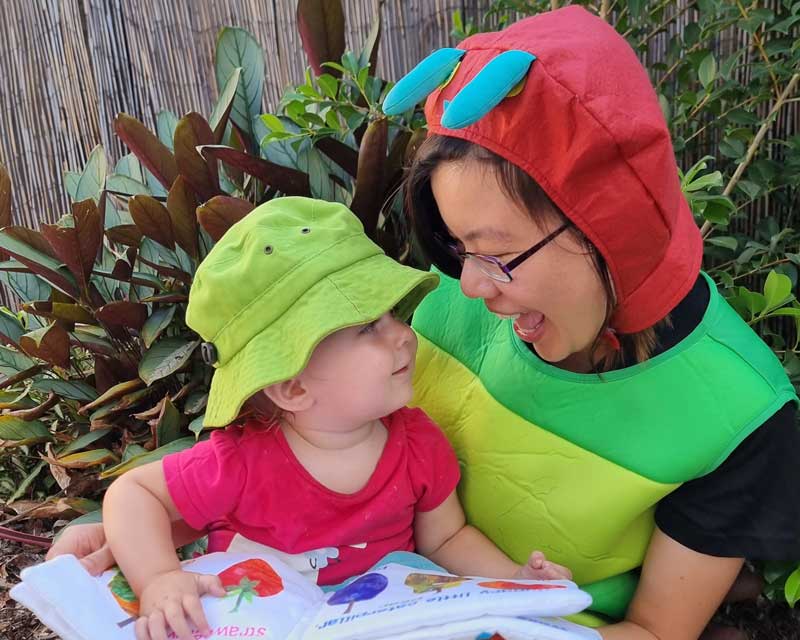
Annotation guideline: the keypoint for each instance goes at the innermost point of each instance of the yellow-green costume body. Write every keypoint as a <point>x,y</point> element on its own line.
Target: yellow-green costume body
<point>574,464</point>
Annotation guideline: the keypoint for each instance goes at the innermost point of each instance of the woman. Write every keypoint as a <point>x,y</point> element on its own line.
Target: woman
<point>601,395</point>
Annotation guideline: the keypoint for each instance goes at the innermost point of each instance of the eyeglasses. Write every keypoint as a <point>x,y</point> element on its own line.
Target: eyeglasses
<point>496,269</point>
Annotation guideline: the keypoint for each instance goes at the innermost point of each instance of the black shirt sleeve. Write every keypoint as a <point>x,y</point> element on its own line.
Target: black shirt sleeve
<point>749,506</point>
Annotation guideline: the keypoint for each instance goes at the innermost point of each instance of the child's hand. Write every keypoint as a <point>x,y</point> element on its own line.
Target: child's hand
<point>539,568</point>
<point>169,599</point>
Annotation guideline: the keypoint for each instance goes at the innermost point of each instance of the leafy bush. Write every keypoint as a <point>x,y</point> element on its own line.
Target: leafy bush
<point>101,373</point>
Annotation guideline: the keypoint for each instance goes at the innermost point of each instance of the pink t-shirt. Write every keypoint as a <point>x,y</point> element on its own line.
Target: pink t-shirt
<point>244,485</point>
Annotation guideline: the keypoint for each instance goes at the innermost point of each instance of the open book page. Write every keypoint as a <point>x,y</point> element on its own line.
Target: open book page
<point>268,599</point>
<point>393,599</point>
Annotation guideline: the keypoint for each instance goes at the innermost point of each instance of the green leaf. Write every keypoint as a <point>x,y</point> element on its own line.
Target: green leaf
<point>93,176</point>
<point>168,427</point>
<point>236,48</point>
<point>71,180</point>
<point>329,85</point>
<point>731,147</point>
<point>166,121</point>
<point>156,323</point>
<point>93,517</point>
<point>165,357</point>
<point>777,289</point>
<point>713,179</point>
<point>196,425</point>
<point>707,70</point>
<point>86,459</point>
<point>20,432</point>
<point>728,242</point>
<point>792,588</point>
<point>26,285</point>
<point>130,167</point>
<point>73,390</point>
<point>750,188</point>
<point>222,109</point>
<point>150,456</point>
<point>272,122</point>
<point>125,185</point>
<point>27,481</point>
<point>10,326</point>
<point>83,441</point>
<point>13,361</point>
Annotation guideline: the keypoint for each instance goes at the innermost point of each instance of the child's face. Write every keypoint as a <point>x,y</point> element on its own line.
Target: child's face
<point>364,372</point>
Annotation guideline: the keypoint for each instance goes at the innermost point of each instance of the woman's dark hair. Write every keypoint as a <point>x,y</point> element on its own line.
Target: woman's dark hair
<point>431,233</point>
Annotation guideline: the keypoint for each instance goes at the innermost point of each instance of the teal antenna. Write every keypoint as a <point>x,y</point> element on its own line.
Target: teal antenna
<point>487,89</point>
<point>422,80</point>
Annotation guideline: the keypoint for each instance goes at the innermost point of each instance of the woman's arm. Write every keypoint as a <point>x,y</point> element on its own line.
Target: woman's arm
<point>678,592</point>
<point>87,542</point>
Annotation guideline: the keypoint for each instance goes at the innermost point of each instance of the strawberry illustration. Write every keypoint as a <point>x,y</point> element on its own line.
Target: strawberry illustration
<point>248,578</point>
<point>502,584</point>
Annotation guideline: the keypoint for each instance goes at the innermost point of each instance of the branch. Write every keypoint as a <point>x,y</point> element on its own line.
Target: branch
<point>755,144</point>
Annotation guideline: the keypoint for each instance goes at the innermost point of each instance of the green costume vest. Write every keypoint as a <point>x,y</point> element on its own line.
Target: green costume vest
<point>574,464</point>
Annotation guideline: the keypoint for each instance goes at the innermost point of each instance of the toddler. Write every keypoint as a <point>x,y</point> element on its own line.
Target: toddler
<point>304,320</point>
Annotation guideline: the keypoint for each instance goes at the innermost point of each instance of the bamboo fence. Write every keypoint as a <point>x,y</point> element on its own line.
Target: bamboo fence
<point>67,67</point>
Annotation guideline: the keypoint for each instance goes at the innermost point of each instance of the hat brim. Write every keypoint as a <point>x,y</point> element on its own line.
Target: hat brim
<point>359,294</point>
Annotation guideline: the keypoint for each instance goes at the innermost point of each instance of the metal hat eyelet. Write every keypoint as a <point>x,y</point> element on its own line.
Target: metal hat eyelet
<point>305,230</point>
<point>268,249</point>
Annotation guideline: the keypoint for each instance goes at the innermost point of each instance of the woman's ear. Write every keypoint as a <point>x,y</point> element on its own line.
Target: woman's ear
<point>290,395</point>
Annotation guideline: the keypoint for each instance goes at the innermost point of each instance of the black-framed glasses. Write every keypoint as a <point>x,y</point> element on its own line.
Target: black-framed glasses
<point>496,269</point>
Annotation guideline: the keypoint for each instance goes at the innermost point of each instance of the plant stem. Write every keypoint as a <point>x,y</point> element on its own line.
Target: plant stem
<point>761,268</point>
<point>706,229</point>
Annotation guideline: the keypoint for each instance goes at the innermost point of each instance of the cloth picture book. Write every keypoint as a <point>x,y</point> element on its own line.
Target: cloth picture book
<point>267,599</point>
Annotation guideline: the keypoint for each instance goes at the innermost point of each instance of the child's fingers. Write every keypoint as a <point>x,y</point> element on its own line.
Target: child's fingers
<point>157,626</point>
<point>537,560</point>
<point>176,618</point>
<point>140,628</point>
<point>211,585</point>
<point>194,609</point>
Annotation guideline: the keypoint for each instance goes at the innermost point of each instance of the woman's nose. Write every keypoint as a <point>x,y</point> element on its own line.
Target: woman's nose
<point>475,283</point>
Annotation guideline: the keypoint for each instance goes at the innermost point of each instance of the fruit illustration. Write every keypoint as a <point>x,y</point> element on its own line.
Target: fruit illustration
<point>124,596</point>
<point>364,588</point>
<point>516,586</point>
<point>249,578</point>
<point>424,582</point>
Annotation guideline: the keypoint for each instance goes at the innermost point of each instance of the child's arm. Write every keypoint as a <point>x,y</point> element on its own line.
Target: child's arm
<point>443,536</point>
<point>138,513</point>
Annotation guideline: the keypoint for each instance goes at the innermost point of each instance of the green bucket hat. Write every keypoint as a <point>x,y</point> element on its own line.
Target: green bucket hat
<point>290,273</point>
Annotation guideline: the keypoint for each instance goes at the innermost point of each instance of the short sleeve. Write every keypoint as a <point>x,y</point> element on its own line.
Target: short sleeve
<point>433,466</point>
<point>206,481</point>
<point>748,506</point>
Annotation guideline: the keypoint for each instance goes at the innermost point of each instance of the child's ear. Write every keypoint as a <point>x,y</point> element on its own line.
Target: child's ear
<point>290,395</point>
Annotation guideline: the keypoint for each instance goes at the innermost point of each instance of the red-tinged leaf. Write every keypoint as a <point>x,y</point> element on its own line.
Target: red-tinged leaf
<point>346,157</point>
<point>123,313</point>
<point>50,344</point>
<point>122,270</point>
<point>193,131</point>
<point>105,375</point>
<point>396,159</point>
<point>32,238</point>
<point>127,234</point>
<point>115,392</point>
<point>290,182</point>
<point>220,213</point>
<point>150,151</point>
<point>182,207</point>
<point>153,220</point>
<point>170,272</point>
<point>77,245</point>
<point>369,193</point>
<point>41,264</point>
<point>65,312</point>
<point>321,24</point>
<point>5,203</point>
